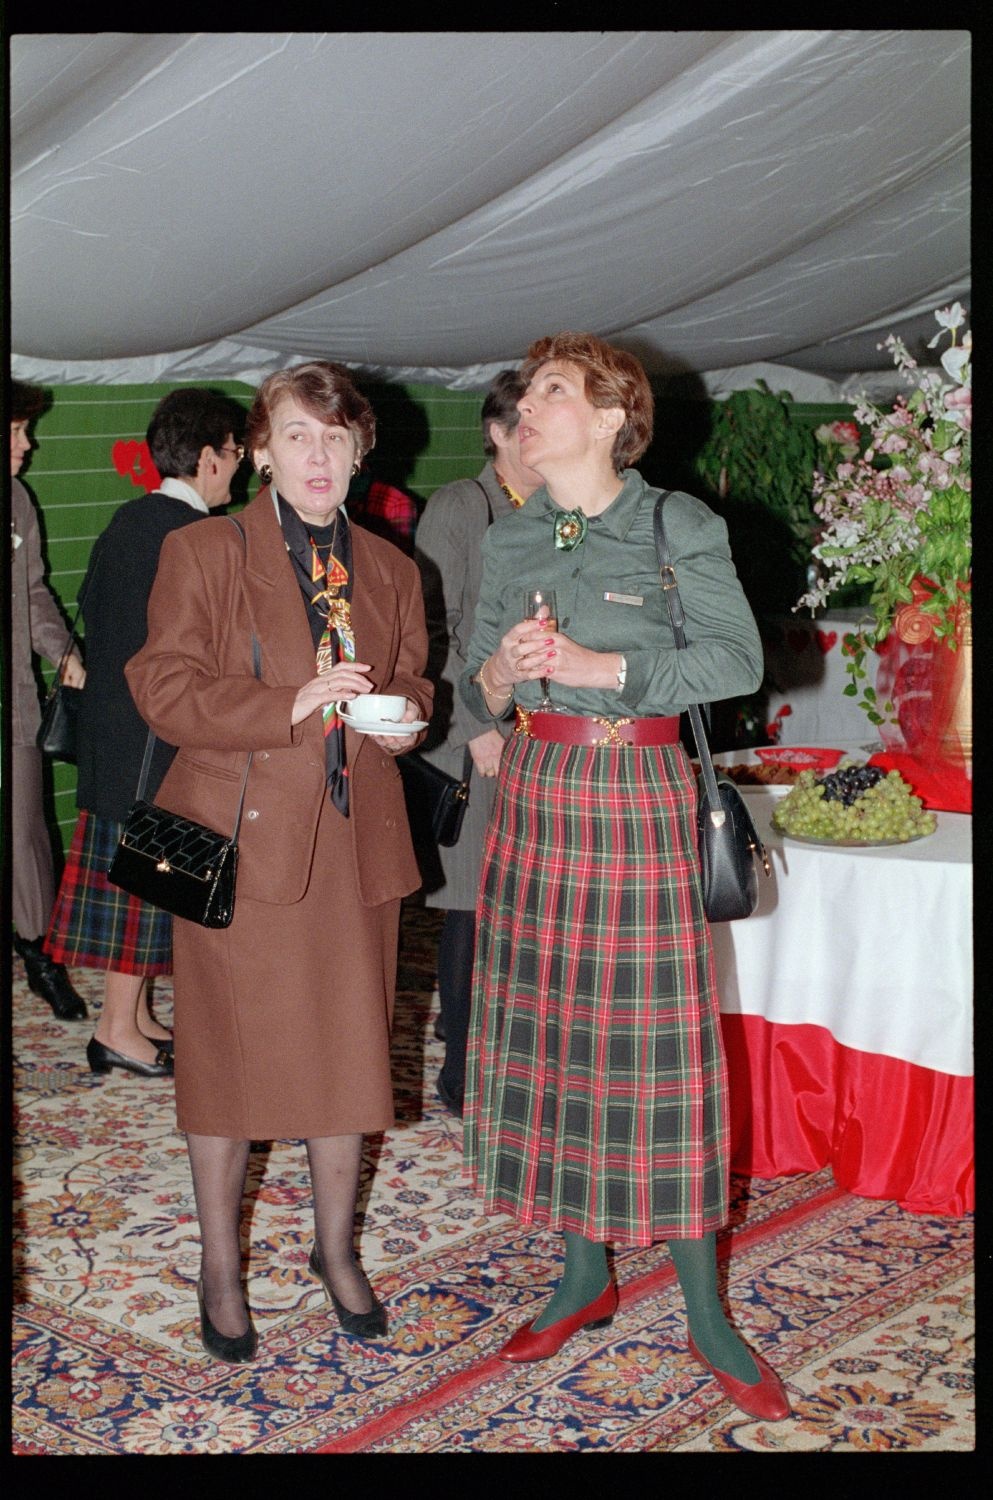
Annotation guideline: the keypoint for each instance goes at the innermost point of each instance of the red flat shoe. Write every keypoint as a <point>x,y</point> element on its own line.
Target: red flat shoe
<point>766,1398</point>
<point>526,1345</point>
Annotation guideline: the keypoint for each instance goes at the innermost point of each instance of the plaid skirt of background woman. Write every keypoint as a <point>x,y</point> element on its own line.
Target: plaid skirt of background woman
<point>596,1096</point>
<point>94,924</point>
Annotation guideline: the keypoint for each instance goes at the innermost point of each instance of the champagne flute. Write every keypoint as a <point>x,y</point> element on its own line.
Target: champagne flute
<point>539,604</point>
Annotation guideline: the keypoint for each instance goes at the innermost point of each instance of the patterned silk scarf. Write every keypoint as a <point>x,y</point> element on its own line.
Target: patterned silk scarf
<point>322,561</point>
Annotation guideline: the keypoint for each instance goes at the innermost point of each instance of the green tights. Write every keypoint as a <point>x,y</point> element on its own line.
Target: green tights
<point>585,1276</point>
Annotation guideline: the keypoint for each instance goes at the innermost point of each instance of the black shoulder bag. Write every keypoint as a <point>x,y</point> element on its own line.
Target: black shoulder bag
<point>60,711</point>
<point>728,844</point>
<point>174,863</point>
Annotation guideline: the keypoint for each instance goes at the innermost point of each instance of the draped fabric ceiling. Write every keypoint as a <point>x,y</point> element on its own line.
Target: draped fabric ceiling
<point>422,205</point>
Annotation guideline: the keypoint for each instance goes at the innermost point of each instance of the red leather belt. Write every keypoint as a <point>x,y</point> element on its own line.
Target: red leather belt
<point>569,729</point>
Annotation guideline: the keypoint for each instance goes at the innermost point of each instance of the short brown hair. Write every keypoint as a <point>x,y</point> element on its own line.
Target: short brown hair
<point>500,405</point>
<point>322,388</point>
<point>26,401</point>
<point>611,377</point>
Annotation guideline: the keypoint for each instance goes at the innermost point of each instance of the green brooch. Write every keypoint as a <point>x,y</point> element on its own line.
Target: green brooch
<point>570,530</point>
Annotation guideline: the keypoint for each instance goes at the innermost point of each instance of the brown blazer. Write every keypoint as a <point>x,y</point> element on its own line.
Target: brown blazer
<point>193,683</point>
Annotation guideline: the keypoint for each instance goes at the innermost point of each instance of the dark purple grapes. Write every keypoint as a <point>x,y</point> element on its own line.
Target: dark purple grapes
<point>847,784</point>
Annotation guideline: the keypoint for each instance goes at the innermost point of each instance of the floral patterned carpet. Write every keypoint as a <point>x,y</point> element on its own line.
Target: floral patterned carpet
<point>865,1310</point>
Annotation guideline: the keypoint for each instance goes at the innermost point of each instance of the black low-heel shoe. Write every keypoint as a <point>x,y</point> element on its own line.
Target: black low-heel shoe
<point>101,1059</point>
<point>239,1350</point>
<point>164,1043</point>
<point>365,1325</point>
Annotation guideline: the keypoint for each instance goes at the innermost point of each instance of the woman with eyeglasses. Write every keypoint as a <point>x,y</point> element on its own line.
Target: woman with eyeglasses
<point>283,1018</point>
<point>94,924</point>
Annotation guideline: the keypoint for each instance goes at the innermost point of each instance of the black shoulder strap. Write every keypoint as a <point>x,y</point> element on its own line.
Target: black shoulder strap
<point>677,619</point>
<point>146,760</point>
<point>489,507</point>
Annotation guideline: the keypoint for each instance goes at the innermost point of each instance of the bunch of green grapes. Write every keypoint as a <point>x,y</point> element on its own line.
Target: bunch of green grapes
<point>850,804</point>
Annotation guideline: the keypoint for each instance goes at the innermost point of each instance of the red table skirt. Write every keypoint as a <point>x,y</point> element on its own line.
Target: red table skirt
<point>889,1129</point>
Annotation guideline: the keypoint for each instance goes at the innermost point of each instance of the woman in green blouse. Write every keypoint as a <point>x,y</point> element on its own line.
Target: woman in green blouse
<point>596,1082</point>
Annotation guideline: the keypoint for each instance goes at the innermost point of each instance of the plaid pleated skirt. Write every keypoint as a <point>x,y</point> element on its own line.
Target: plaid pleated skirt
<point>596,1096</point>
<point>96,925</point>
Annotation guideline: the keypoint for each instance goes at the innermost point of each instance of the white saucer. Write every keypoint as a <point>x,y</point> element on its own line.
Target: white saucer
<point>382,726</point>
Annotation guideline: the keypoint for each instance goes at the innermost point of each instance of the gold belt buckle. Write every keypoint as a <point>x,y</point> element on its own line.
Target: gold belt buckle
<point>611,726</point>
<point>523,725</point>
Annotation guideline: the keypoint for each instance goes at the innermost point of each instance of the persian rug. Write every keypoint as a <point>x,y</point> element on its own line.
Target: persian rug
<point>865,1310</point>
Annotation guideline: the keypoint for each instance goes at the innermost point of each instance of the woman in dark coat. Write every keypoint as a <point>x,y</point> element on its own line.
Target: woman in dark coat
<point>95,924</point>
<point>596,1083</point>
<point>282,1020</point>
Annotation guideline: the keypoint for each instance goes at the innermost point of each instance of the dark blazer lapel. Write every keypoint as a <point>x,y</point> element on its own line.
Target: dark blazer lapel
<point>273,596</point>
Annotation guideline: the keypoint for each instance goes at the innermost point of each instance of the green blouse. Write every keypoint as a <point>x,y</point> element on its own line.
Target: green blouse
<point>610,599</point>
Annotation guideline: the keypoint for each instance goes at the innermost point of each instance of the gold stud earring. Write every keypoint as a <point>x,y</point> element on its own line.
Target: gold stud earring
<point>356,466</point>
<point>265,474</point>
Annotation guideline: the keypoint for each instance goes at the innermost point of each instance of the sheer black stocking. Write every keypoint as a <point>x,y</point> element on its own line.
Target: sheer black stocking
<point>335,1163</point>
<point>456,945</point>
<point>218,1166</point>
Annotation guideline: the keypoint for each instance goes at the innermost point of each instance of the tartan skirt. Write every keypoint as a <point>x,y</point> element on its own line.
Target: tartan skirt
<point>96,925</point>
<point>596,1084</point>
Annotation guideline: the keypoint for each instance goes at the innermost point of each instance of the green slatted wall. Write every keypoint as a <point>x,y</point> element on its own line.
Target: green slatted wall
<point>427,436</point>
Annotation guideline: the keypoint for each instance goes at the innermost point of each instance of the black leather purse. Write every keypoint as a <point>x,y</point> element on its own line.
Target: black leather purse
<point>436,802</point>
<point>729,846</point>
<point>57,732</point>
<point>59,718</point>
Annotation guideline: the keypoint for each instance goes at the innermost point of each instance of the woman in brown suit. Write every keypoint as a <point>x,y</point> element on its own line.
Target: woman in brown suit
<point>282,1020</point>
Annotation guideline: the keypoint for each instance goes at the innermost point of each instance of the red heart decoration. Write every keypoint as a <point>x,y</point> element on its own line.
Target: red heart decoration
<point>826,639</point>
<point>135,460</point>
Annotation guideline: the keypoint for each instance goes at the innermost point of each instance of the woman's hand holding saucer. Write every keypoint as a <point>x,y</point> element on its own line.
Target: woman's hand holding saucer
<point>396,744</point>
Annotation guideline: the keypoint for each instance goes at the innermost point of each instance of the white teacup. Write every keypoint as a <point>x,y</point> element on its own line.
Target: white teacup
<point>375,708</point>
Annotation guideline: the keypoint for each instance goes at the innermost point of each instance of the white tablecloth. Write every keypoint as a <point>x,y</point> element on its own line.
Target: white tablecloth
<point>873,944</point>
<point>806,667</point>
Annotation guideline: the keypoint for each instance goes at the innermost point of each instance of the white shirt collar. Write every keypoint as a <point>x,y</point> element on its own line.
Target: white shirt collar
<point>180,490</point>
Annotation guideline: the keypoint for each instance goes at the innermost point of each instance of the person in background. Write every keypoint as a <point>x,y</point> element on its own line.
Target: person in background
<point>283,1018</point>
<point>596,1083</point>
<point>36,624</point>
<point>449,539</point>
<point>95,924</point>
<point>384,509</point>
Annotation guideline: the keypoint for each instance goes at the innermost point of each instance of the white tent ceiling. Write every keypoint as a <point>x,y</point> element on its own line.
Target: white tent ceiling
<point>422,205</point>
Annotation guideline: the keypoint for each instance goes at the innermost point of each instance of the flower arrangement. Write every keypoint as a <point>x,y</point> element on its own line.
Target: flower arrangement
<point>898,516</point>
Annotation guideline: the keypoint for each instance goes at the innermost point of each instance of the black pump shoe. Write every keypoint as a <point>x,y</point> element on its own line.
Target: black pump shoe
<point>101,1059</point>
<point>50,981</point>
<point>239,1350</point>
<point>365,1325</point>
<point>164,1043</point>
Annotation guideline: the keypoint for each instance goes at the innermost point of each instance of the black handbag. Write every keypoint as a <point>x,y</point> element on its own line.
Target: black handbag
<point>57,732</point>
<point>436,802</point>
<point>174,863</point>
<point>59,717</point>
<point>729,846</point>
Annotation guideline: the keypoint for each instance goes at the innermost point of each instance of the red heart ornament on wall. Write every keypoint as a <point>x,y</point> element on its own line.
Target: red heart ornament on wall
<point>826,639</point>
<point>134,459</point>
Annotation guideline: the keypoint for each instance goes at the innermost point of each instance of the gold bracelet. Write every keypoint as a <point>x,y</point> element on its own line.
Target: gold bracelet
<point>487,689</point>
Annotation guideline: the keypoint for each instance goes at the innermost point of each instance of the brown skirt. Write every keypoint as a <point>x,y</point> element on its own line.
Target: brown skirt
<point>282,1020</point>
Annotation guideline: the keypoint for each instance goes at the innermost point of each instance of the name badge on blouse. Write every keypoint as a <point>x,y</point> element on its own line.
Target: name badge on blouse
<point>623,598</point>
